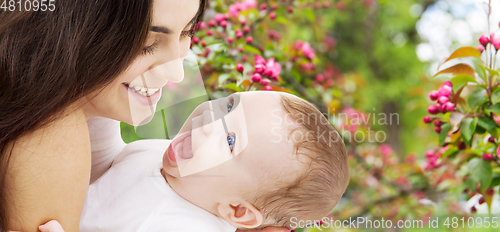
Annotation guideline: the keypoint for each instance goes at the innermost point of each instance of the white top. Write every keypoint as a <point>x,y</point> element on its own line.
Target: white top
<point>133,196</point>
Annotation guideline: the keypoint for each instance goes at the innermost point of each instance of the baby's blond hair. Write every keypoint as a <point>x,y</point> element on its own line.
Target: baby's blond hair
<point>315,191</point>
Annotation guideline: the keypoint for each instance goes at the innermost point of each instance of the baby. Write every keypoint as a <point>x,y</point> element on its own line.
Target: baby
<point>250,160</point>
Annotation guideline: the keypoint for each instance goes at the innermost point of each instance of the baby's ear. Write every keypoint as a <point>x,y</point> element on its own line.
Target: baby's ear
<point>241,214</point>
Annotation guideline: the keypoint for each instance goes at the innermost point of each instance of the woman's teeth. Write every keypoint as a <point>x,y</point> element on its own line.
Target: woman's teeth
<point>146,92</point>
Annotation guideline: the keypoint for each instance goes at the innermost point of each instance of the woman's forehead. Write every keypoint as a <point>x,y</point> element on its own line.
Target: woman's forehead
<point>174,14</point>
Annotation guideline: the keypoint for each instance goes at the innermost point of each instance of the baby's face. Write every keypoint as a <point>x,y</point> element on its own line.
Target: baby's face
<point>227,146</point>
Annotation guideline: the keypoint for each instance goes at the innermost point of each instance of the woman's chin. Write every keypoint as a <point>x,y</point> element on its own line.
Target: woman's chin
<point>141,117</point>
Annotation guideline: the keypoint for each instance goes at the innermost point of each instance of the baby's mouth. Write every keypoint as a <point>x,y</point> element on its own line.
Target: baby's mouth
<point>182,147</point>
<point>146,92</point>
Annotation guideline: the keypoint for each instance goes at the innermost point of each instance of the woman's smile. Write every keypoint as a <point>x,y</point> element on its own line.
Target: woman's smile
<point>145,96</point>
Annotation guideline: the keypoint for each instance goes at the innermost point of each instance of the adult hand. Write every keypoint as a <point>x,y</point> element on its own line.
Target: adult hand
<point>267,229</point>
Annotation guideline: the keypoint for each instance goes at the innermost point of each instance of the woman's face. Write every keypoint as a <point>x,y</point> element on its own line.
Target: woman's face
<point>133,95</point>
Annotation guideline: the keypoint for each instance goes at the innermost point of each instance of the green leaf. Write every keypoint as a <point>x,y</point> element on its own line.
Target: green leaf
<point>450,151</point>
<point>444,132</point>
<point>467,128</point>
<point>252,49</point>
<point>224,60</point>
<point>487,123</point>
<point>223,78</point>
<point>476,97</point>
<point>480,130</point>
<point>494,133</point>
<point>495,97</point>
<point>233,86</point>
<point>495,180</point>
<point>480,172</point>
<point>296,74</point>
<point>481,72</point>
<point>471,184</point>
<point>494,109</point>
<point>462,79</point>
<point>492,72</point>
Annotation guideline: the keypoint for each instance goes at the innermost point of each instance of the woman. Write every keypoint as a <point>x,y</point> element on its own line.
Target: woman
<point>59,68</point>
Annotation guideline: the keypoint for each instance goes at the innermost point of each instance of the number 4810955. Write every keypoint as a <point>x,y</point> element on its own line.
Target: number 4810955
<point>28,5</point>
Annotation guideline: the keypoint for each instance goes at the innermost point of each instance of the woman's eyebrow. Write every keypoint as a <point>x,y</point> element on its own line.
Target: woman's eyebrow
<point>161,29</point>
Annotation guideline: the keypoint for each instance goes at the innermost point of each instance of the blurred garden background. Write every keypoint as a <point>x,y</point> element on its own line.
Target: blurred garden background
<point>420,145</point>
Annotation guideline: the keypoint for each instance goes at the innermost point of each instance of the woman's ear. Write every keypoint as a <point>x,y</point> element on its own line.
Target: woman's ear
<point>241,214</point>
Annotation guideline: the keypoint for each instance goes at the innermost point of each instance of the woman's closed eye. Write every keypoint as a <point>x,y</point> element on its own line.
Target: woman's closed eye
<point>153,47</point>
<point>231,141</point>
<point>150,49</point>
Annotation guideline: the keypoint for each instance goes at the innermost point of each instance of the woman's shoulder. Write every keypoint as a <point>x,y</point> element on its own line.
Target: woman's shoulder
<point>52,161</point>
<point>66,131</point>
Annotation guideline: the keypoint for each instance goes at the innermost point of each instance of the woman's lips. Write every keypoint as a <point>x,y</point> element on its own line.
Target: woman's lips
<point>180,148</point>
<point>143,100</point>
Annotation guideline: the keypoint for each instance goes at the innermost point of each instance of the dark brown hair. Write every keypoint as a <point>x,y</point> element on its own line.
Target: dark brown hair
<point>315,191</point>
<point>50,59</point>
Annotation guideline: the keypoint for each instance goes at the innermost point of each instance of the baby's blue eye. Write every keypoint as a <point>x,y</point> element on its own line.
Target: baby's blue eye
<point>229,107</point>
<point>231,140</point>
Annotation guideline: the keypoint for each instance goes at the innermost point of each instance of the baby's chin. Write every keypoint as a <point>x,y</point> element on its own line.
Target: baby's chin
<point>168,168</point>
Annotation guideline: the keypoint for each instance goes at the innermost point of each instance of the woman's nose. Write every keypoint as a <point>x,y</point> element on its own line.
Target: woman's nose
<point>170,62</point>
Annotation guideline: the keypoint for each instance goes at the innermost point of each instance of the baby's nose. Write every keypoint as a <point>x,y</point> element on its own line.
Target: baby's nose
<point>208,120</point>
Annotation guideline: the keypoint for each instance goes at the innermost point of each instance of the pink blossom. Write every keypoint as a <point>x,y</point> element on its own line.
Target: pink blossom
<point>448,106</point>
<point>276,71</point>
<point>443,99</point>
<point>488,157</point>
<point>320,78</point>
<point>260,60</point>
<point>273,68</point>
<point>496,42</point>
<point>433,95</point>
<point>484,40</point>
<point>497,118</point>
<point>498,152</point>
<point>385,149</point>
<point>350,112</point>
<point>203,25</point>
<point>259,68</point>
<point>249,39</point>
<point>219,17</point>
<point>237,7</point>
<point>308,66</point>
<point>298,44</point>
<point>240,68</point>
<point>247,4</point>
<point>480,48</point>
<point>305,48</point>
<point>239,33</point>
<point>256,77</point>
<point>445,90</point>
